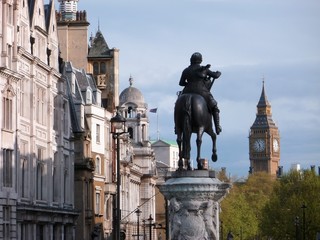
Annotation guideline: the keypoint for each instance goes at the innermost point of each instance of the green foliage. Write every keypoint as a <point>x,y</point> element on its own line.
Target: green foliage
<point>241,209</point>
<point>290,193</point>
<point>266,208</point>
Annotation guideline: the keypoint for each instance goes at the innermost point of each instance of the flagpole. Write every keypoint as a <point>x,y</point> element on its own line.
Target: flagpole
<point>158,126</point>
<point>155,110</point>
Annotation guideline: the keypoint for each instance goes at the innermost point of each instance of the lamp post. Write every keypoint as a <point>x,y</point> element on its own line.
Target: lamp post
<point>304,220</point>
<point>118,128</point>
<point>221,227</point>
<point>138,212</point>
<point>144,229</point>
<point>296,223</point>
<point>150,219</point>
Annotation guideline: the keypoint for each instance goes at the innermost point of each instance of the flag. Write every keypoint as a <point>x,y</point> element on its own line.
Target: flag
<point>154,110</point>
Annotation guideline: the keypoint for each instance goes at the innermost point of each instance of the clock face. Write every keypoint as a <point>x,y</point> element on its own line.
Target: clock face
<point>275,145</point>
<point>259,145</point>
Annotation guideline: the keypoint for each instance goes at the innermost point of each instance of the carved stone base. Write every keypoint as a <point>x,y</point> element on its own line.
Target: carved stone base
<point>194,203</point>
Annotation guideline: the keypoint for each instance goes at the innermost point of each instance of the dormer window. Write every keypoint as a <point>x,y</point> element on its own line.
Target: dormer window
<point>88,97</point>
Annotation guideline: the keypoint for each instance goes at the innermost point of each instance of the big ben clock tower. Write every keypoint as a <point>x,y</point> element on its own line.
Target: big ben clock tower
<point>264,139</point>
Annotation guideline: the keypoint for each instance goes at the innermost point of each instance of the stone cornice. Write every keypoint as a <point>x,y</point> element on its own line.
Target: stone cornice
<point>7,73</point>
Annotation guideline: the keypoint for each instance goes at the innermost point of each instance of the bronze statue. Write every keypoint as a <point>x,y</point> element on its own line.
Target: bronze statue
<point>194,110</point>
<point>197,79</point>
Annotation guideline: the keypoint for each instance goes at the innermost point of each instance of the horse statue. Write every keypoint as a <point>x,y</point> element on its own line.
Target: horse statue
<point>192,115</point>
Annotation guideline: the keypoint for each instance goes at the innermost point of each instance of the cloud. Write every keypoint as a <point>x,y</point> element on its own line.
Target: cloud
<point>247,41</point>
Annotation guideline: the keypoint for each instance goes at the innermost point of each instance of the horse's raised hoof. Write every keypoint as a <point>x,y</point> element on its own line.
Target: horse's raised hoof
<point>214,157</point>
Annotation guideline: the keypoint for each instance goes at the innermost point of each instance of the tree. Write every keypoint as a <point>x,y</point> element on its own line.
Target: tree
<point>293,211</point>
<point>241,209</point>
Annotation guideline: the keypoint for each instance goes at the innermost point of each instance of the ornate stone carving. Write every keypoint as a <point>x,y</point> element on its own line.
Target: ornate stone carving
<point>194,205</point>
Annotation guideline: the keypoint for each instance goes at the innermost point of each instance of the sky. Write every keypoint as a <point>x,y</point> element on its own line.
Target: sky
<point>248,41</point>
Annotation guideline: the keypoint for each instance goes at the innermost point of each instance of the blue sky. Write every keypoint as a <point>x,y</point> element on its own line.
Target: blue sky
<point>247,40</point>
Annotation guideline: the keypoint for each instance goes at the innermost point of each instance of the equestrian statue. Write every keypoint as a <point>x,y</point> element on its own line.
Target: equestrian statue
<point>194,110</point>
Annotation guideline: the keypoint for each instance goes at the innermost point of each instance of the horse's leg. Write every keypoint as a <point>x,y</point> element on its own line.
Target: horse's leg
<point>179,141</point>
<point>213,136</point>
<point>187,149</point>
<point>199,142</point>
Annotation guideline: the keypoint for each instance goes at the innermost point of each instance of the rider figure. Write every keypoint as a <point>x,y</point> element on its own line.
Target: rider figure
<point>196,79</point>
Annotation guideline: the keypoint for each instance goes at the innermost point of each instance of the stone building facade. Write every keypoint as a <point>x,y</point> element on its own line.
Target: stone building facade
<point>58,158</point>
<point>36,161</point>
<point>139,168</point>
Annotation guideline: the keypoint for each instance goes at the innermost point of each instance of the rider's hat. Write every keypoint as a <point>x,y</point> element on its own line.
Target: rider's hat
<point>196,58</point>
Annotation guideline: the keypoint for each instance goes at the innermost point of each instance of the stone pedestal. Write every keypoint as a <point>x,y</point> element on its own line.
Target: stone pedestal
<point>194,203</point>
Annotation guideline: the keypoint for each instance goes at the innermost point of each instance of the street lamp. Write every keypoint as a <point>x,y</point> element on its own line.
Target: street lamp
<point>150,219</point>
<point>138,211</point>
<point>304,220</point>
<point>144,229</point>
<point>296,223</point>
<point>118,124</point>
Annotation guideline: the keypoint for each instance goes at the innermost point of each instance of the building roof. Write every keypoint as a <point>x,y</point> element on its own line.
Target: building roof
<point>132,95</point>
<point>164,142</point>
<point>99,47</point>
<point>263,101</point>
<point>263,120</point>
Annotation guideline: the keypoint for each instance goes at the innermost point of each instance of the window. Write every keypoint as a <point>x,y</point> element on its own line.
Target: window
<point>24,107</point>
<point>98,165</point>
<point>40,232</point>
<point>7,113</point>
<point>65,117</point>
<point>41,47</point>
<point>40,174</point>
<point>10,14</point>
<point>97,207</point>
<point>97,133</point>
<point>66,178</point>
<point>95,68</point>
<point>39,180</point>
<point>6,222</point>
<point>130,130</point>
<point>55,187</point>
<point>9,55</point>
<point>73,84</point>
<point>99,68</point>
<point>88,97</point>
<point>103,68</point>
<point>55,113</point>
<point>7,167</point>
<point>130,112</point>
<point>24,168</point>
<point>41,94</point>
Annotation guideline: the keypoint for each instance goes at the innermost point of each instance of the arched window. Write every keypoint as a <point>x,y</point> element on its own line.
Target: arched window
<point>130,130</point>
<point>39,180</point>
<point>130,112</point>
<point>98,165</point>
<point>103,68</point>
<point>95,68</point>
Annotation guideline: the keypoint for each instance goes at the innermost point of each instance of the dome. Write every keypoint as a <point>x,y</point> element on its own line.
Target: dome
<point>131,95</point>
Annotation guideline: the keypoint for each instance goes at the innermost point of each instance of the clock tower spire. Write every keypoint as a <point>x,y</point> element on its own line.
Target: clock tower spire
<point>264,139</point>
